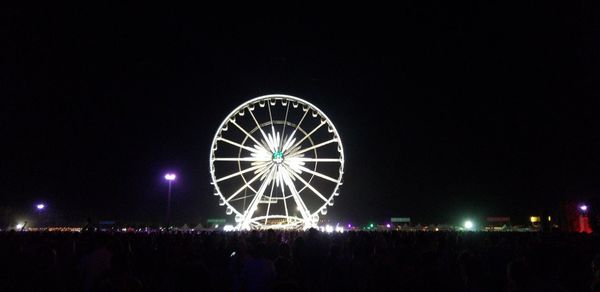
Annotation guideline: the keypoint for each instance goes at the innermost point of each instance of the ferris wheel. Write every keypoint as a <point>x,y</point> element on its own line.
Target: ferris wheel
<point>276,161</point>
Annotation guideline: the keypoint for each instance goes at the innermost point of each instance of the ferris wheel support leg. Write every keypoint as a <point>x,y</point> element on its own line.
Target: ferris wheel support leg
<point>245,223</point>
<point>303,210</point>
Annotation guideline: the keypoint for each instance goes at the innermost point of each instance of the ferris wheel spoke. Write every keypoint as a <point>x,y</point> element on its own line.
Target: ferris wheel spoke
<point>291,137</point>
<point>253,150</point>
<point>240,173</point>
<point>296,153</point>
<point>236,159</point>
<point>271,118</point>
<point>254,203</point>
<point>317,174</point>
<point>299,202</point>
<point>308,159</point>
<point>304,138</point>
<point>308,185</point>
<point>284,199</point>
<point>287,109</point>
<point>257,176</point>
<point>269,203</point>
<point>246,133</point>
<point>259,128</point>
<point>240,198</point>
<point>252,189</point>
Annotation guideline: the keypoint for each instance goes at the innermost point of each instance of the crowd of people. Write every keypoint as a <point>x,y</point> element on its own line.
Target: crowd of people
<point>299,261</point>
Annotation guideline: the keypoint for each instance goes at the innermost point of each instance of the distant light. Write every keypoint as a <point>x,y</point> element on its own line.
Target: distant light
<point>228,228</point>
<point>328,228</point>
<point>583,207</point>
<point>20,225</point>
<point>349,225</point>
<point>170,176</point>
<point>437,229</point>
<point>534,219</point>
<point>339,229</point>
<point>371,225</point>
<point>388,225</point>
<point>216,225</point>
<point>40,206</point>
<point>468,224</point>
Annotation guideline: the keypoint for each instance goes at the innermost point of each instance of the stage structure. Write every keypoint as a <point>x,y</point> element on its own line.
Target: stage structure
<point>276,161</point>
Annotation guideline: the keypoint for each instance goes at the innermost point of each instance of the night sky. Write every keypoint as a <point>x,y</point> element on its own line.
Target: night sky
<point>445,110</point>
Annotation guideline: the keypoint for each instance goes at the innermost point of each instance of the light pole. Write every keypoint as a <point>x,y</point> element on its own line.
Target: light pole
<point>40,207</point>
<point>170,177</point>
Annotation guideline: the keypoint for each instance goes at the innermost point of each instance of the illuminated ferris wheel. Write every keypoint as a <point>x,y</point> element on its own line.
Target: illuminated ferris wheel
<point>276,162</point>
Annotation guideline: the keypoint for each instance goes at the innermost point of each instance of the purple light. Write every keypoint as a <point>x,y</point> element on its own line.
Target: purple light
<point>583,207</point>
<point>388,225</point>
<point>349,225</point>
<point>170,176</point>
<point>40,206</point>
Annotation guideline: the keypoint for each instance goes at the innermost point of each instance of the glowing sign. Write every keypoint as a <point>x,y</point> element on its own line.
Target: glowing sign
<point>400,220</point>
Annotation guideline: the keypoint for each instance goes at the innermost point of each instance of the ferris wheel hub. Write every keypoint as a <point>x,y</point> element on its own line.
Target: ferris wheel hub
<point>277,157</point>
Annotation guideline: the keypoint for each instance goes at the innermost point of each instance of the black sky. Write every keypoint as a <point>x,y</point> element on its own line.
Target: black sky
<point>445,110</point>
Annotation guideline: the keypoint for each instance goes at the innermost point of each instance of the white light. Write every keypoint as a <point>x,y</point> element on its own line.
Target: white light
<point>216,225</point>
<point>468,224</point>
<point>20,225</point>
<point>328,228</point>
<point>339,229</point>
<point>238,218</point>
<point>170,176</point>
<point>228,228</point>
